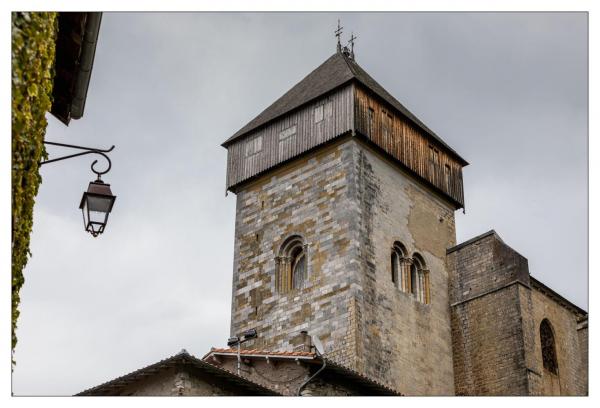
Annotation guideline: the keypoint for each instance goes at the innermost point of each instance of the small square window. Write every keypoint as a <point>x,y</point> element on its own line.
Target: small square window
<point>253,146</point>
<point>318,113</point>
<point>386,119</point>
<point>328,110</point>
<point>285,133</point>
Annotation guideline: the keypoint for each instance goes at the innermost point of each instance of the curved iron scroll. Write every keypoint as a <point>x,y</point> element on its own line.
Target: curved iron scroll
<point>88,150</point>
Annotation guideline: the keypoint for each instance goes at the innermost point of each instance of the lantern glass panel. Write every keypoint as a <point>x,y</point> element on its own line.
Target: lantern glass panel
<point>99,204</point>
<point>97,217</point>
<point>96,204</point>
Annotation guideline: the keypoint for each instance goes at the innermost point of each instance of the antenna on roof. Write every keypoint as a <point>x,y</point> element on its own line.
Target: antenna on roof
<point>318,345</point>
<point>351,42</point>
<point>338,32</point>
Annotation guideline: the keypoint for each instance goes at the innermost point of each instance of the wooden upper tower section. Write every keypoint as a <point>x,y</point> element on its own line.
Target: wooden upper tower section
<point>339,98</point>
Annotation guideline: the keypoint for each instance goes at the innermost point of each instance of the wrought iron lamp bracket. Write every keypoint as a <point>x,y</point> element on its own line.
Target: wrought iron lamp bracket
<point>86,150</point>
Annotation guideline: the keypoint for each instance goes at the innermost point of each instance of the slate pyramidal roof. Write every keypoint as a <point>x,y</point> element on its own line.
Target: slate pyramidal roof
<point>336,71</point>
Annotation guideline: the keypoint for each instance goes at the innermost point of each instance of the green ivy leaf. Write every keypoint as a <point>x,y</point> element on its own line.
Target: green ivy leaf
<point>32,59</point>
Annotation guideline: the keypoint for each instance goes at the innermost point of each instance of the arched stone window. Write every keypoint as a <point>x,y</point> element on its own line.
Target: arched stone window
<point>548,347</point>
<point>292,265</point>
<point>398,265</point>
<point>419,279</point>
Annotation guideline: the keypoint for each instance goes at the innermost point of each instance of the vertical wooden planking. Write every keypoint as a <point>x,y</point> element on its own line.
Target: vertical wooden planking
<point>350,110</point>
<point>408,144</point>
<point>308,135</point>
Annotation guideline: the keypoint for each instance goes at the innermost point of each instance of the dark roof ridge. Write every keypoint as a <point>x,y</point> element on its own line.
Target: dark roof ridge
<point>359,74</point>
<point>363,377</point>
<point>472,240</point>
<point>537,284</point>
<point>185,355</point>
<point>333,77</point>
<point>259,121</point>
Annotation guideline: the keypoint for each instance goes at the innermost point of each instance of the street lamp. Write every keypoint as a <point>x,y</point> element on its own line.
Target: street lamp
<point>238,340</point>
<point>96,204</point>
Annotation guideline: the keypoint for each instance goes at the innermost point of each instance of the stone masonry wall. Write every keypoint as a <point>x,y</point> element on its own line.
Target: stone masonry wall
<point>311,197</point>
<point>350,205</point>
<point>572,378</point>
<point>488,345</point>
<point>176,382</point>
<point>406,343</point>
<point>582,331</point>
<point>487,326</point>
<point>496,317</point>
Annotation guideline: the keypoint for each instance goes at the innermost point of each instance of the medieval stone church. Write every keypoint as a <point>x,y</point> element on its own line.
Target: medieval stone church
<point>345,233</point>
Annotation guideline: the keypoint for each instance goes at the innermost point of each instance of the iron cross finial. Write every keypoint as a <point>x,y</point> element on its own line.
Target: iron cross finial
<point>351,42</point>
<point>338,32</point>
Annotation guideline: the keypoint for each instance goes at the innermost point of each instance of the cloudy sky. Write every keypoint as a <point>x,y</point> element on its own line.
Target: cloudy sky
<point>507,91</point>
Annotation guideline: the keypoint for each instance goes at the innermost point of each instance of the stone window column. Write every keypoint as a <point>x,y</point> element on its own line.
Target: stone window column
<point>307,257</point>
<point>426,287</point>
<point>405,268</point>
<point>282,274</point>
<point>419,292</point>
<point>286,274</point>
<point>278,273</point>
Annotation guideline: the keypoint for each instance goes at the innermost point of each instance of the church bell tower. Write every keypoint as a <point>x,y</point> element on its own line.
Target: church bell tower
<point>345,208</point>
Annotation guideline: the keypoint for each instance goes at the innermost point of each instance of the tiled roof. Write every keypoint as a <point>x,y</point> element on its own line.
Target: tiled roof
<point>262,352</point>
<point>245,386</point>
<point>337,70</point>
<point>361,378</point>
<point>332,367</point>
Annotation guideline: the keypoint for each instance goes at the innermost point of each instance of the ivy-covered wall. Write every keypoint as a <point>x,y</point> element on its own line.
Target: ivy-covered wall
<point>33,49</point>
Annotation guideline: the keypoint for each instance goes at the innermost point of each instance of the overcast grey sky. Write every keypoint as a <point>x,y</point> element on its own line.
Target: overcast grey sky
<point>507,91</point>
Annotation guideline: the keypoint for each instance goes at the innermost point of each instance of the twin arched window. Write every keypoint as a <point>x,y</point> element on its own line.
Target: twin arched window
<point>549,359</point>
<point>292,265</point>
<point>410,275</point>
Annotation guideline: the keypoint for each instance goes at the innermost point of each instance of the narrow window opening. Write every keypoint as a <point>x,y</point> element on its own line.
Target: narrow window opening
<point>413,279</point>
<point>419,280</point>
<point>549,359</point>
<point>394,268</point>
<point>318,113</point>
<point>298,270</point>
<point>328,110</point>
<point>386,120</point>
<point>433,163</point>
<point>398,259</point>
<point>447,176</point>
<point>287,141</point>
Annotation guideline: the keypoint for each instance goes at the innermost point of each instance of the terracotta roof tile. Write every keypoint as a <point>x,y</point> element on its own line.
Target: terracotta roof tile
<point>332,366</point>
<point>262,352</point>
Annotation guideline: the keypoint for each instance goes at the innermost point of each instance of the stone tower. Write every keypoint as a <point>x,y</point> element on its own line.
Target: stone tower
<point>500,315</point>
<point>345,209</point>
